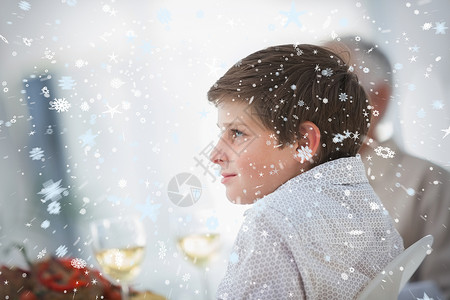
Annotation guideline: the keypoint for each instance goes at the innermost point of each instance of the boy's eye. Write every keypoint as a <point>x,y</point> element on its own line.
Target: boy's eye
<point>236,133</point>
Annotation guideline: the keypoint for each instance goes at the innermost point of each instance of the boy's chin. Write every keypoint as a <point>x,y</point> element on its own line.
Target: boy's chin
<point>240,199</point>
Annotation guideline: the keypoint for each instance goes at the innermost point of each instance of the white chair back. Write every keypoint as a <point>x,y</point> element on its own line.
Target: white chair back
<point>388,284</point>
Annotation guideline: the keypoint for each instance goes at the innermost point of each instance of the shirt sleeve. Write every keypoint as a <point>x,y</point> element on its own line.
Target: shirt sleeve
<point>435,220</point>
<point>261,265</point>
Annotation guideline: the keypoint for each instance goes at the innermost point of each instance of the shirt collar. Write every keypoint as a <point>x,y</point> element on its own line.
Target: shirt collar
<point>347,170</point>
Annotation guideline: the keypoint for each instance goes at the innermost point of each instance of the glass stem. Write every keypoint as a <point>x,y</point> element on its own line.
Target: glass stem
<point>125,291</point>
<point>205,282</point>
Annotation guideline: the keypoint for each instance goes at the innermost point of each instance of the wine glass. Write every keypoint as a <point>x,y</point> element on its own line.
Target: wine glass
<point>198,238</point>
<point>119,247</point>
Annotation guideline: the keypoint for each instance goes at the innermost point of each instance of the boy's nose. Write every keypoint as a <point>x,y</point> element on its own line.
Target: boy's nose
<point>217,156</point>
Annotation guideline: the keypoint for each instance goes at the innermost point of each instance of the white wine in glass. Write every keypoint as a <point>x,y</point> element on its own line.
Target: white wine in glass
<point>119,247</point>
<point>122,264</point>
<point>199,247</point>
<point>198,239</point>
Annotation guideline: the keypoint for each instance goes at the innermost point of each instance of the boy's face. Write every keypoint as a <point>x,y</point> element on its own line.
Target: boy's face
<point>252,162</point>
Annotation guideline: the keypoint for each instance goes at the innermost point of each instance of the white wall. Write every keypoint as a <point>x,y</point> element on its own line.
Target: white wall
<point>168,54</point>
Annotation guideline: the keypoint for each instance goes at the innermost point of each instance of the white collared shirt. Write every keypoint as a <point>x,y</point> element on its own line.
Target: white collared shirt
<point>322,235</point>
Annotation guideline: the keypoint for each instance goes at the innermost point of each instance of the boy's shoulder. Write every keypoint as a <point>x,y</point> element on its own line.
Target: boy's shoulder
<point>315,197</point>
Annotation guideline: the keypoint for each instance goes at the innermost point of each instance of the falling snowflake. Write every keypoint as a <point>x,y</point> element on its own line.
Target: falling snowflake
<point>78,263</point>
<point>355,232</point>
<point>112,110</point>
<point>347,134</point>
<point>49,54</point>
<point>292,16</point>
<point>42,253</point>
<point>126,105</point>
<point>304,153</point>
<point>440,27</point>
<point>71,2</point>
<point>327,72</point>
<point>79,63</point>
<point>122,183</point>
<point>46,92</point>
<point>45,224</point>
<point>61,251</point>
<point>421,113</point>
<point>338,138</point>
<point>355,135</point>
<point>85,106</point>
<point>384,152</point>
<point>88,138</point>
<point>24,5</point>
<point>427,26</point>
<point>437,104</point>
<point>343,97</point>
<point>116,83</point>
<point>119,258</point>
<point>446,131</point>
<point>374,205</point>
<point>52,191</point>
<point>162,250</point>
<point>186,277</point>
<point>49,130</point>
<point>149,210</point>
<point>60,104</point>
<point>27,41</point>
<point>425,297</point>
<point>301,102</point>
<point>54,208</point>
<point>66,83</point>
<point>164,16</point>
<point>234,258</point>
<point>36,153</point>
<point>212,223</point>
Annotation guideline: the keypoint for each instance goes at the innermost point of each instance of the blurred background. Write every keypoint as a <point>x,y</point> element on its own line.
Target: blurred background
<point>103,109</point>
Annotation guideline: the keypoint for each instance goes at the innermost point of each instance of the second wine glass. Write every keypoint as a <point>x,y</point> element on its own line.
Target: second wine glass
<point>198,238</point>
<point>119,247</point>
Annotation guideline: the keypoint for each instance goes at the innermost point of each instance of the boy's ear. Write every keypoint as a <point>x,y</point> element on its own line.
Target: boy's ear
<point>308,142</point>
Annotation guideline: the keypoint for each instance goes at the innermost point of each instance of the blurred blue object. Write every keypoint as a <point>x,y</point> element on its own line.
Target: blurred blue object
<point>426,290</point>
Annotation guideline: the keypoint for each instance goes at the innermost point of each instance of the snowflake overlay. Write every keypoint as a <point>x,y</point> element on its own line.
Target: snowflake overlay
<point>61,251</point>
<point>60,105</point>
<point>327,72</point>
<point>42,253</point>
<point>304,153</point>
<point>384,152</point>
<point>78,263</point>
<point>36,153</point>
<point>52,191</point>
<point>343,97</point>
<point>54,208</point>
<point>162,250</point>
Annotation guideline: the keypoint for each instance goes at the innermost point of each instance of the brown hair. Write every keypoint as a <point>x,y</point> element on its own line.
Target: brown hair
<point>287,85</point>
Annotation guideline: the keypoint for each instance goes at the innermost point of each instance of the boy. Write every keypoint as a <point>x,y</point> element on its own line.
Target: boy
<point>293,118</point>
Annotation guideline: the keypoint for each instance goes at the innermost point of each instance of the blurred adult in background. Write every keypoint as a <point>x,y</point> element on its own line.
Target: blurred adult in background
<point>416,192</point>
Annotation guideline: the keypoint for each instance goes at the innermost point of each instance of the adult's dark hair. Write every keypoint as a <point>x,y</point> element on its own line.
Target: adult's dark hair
<point>286,85</point>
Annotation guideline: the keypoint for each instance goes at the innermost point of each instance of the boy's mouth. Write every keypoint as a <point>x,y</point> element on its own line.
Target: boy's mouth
<point>227,177</point>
